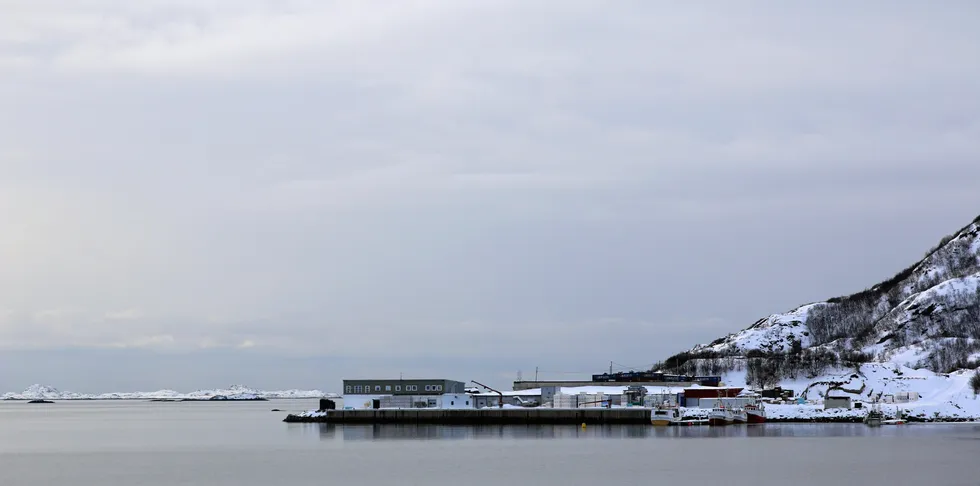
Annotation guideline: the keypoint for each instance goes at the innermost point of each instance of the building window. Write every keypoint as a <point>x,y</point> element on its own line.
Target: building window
<point>428,388</point>
<point>438,387</point>
<point>467,402</point>
<point>387,387</point>
<point>377,388</point>
<point>357,389</point>
<point>349,389</point>
<point>398,388</point>
<point>452,403</point>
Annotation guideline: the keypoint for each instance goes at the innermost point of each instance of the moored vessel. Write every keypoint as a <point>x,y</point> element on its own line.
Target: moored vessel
<point>898,420</point>
<point>720,415</point>
<point>739,416</point>
<point>665,416</point>
<point>874,417</point>
<point>755,413</point>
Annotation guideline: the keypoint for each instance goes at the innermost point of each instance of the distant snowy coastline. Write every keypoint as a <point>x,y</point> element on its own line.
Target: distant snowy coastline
<point>235,392</point>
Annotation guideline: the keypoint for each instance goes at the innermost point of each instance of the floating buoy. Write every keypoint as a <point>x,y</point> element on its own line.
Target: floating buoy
<point>583,425</point>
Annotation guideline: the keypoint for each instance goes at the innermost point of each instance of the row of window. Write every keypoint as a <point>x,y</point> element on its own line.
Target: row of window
<point>377,388</point>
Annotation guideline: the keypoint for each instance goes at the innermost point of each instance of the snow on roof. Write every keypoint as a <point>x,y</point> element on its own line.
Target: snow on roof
<point>510,393</point>
<point>713,387</point>
<point>574,390</point>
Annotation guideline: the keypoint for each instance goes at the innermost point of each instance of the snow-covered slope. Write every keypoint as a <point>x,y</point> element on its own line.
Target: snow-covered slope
<point>775,333</point>
<point>926,316</point>
<point>918,331</point>
<point>235,392</point>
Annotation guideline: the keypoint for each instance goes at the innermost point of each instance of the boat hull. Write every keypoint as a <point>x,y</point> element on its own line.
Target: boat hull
<point>661,422</point>
<point>694,422</point>
<point>720,419</point>
<point>873,421</point>
<point>756,417</point>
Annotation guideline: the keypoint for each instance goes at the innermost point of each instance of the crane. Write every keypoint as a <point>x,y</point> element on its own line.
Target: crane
<point>493,390</point>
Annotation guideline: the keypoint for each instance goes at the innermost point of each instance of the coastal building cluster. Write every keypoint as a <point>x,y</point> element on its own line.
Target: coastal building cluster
<point>606,390</point>
<point>632,398</point>
<point>655,391</point>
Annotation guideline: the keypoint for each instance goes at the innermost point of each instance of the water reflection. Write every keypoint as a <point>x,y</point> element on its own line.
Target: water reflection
<point>513,432</point>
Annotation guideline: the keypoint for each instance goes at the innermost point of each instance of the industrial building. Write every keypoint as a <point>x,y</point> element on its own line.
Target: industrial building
<point>410,393</point>
<point>646,378</point>
<point>402,387</point>
<point>708,397</point>
<point>621,395</point>
<point>516,398</point>
<point>443,393</point>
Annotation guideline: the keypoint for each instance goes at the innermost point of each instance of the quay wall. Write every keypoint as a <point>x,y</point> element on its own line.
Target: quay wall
<point>534,416</point>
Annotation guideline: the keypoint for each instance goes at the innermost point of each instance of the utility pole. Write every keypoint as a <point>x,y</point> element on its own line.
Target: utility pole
<point>610,367</point>
<point>535,373</point>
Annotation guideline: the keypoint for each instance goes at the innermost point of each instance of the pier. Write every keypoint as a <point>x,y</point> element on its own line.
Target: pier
<point>533,416</point>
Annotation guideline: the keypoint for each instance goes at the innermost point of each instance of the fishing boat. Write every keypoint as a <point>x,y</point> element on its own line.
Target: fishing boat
<point>756,413</point>
<point>721,415</point>
<point>739,416</point>
<point>665,415</point>
<point>898,420</point>
<point>875,417</point>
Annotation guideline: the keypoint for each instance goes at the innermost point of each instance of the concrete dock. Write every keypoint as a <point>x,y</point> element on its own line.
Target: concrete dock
<point>483,416</point>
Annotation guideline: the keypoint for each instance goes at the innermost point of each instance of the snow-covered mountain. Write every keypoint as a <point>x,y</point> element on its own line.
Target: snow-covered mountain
<point>927,317</point>
<point>234,392</point>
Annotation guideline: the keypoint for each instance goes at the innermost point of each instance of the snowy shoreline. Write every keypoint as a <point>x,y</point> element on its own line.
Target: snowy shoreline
<point>232,393</point>
<point>800,414</point>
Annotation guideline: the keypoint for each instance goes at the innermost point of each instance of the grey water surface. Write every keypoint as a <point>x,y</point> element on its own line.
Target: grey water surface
<point>243,444</point>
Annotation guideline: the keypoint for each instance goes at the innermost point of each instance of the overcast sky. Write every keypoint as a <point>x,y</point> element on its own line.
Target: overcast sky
<point>196,193</point>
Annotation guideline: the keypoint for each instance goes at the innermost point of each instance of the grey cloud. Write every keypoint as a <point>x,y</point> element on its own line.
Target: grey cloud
<point>416,182</point>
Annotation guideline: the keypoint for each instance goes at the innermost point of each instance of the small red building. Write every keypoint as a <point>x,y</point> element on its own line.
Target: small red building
<point>712,392</point>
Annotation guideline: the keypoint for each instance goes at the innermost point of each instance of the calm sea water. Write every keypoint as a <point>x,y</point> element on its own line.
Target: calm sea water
<point>243,444</point>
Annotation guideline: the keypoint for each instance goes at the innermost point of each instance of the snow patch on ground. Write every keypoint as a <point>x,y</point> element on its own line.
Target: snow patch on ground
<point>946,396</point>
<point>934,273</point>
<point>969,284</point>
